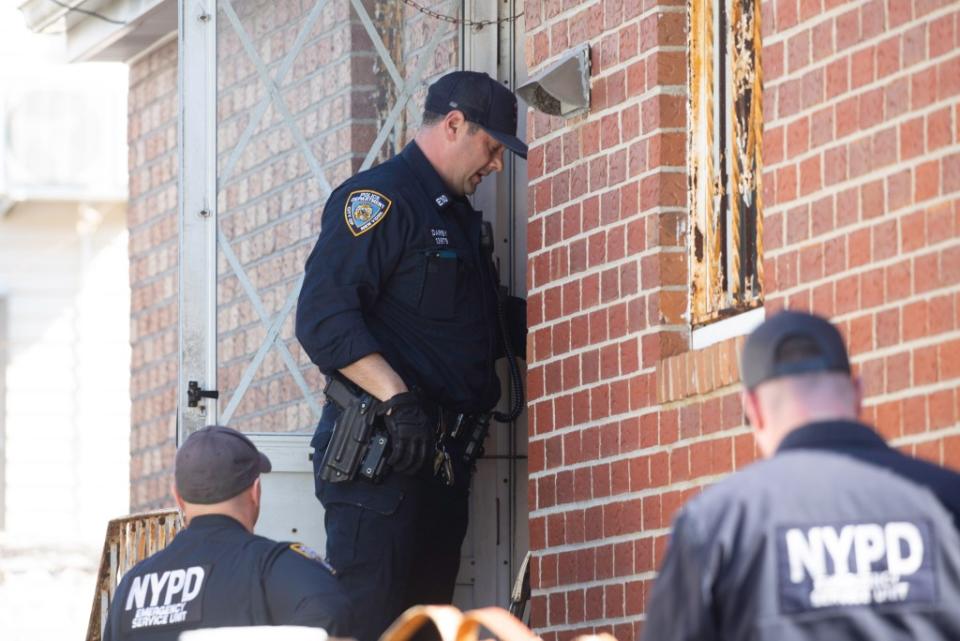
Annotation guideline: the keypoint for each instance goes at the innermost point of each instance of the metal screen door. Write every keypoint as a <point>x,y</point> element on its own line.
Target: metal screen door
<point>280,101</point>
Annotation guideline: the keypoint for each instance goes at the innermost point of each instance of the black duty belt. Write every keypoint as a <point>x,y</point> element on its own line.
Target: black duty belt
<point>460,437</point>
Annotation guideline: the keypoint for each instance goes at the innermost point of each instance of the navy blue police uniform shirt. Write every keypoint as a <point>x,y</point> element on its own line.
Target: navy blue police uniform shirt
<point>217,574</point>
<point>837,536</point>
<point>398,269</point>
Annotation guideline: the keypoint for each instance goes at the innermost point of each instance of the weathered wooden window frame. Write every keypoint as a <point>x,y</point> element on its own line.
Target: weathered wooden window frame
<point>725,161</point>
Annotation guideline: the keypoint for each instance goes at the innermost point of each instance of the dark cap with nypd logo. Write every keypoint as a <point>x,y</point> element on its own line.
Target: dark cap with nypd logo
<point>483,101</point>
<point>216,463</point>
<point>792,343</point>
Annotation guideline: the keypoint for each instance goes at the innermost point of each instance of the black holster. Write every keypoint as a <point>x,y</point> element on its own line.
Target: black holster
<point>358,446</point>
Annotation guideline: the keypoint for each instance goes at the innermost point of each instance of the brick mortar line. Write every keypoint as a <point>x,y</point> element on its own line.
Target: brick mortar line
<point>666,169</point>
<point>149,279</point>
<point>619,378</point>
<point>598,270</point>
<point>547,23</point>
<point>345,92</point>
<point>801,26</point>
<point>669,169</point>
<point>144,228</point>
<point>284,283</point>
<point>154,191</point>
<point>604,622</point>
<point>597,583</point>
<point>653,449</point>
<point>153,218</point>
<point>859,225</point>
<point>909,391</point>
<point>597,115</point>
<point>649,329</point>
<point>275,159</point>
<point>886,306</point>
<point>296,24</point>
<point>604,227</point>
<point>692,484</point>
<point>160,97</point>
<point>241,82</point>
<point>632,454</point>
<point>157,131</point>
<point>156,160</point>
<point>863,269</point>
<point>611,540</point>
<point>290,215</point>
<point>603,153</point>
<point>607,342</point>
<point>926,436</point>
<point>842,142</point>
<point>146,337</point>
<point>876,83</point>
<point>649,251</point>
<point>153,131</point>
<point>153,279</point>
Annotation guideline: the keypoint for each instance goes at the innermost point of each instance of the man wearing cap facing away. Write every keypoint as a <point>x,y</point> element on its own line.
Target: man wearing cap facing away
<point>834,536</point>
<point>399,300</point>
<point>216,572</point>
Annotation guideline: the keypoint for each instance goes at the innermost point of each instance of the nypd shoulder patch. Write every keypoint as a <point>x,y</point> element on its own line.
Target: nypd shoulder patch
<point>364,209</point>
<point>311,554</point>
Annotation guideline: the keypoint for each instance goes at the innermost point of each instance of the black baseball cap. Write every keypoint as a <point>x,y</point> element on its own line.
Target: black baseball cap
<point>216,463</point>
<point>483,101</point>
<point>763,359</point>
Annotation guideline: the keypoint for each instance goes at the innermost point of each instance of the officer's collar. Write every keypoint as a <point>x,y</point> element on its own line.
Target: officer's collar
<point>429,178</point>
<point>206,521</point>
<point>832,435</point>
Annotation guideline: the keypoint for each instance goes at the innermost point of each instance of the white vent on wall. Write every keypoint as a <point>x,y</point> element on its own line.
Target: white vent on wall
<point>63,134</point>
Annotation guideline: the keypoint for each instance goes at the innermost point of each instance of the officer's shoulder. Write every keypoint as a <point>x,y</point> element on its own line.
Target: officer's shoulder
<point>298,553</point>
<point>389,179</point>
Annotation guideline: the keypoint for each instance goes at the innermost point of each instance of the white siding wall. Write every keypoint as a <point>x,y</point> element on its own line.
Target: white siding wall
<point>64,271</point>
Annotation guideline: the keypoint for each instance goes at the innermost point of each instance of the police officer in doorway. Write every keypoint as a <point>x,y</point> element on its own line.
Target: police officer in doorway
<point>400,303</point>
<point>834,536</point>
<point>216,572</point>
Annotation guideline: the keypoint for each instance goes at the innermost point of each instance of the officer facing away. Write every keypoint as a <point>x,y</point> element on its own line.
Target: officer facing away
<point>834,536</point>
<point>216,572</point>
<point>400,302</point>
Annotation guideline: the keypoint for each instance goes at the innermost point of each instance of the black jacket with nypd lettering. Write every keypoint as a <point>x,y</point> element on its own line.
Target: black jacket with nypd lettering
<point>398,269</point>
<point>837,536</point>
<point>217,574</point>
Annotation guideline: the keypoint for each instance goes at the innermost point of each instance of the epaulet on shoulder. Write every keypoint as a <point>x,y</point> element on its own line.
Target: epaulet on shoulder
<point>308,553</point>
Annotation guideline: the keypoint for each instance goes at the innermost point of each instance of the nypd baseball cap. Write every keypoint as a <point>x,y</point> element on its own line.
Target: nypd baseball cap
<point>216,463</point>
<point>764,357</point>
<point>483,101</point>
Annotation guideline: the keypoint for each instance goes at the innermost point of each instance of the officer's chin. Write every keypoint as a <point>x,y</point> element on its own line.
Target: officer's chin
<point>471,187</point>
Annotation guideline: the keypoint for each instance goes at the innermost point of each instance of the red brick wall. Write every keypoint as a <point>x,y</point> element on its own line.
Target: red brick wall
<point>862,182</point>
<point>860,223</point>
<point>152,220</point>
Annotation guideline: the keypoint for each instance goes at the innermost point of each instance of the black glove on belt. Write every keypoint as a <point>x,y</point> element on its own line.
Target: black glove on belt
<point>411,432</point>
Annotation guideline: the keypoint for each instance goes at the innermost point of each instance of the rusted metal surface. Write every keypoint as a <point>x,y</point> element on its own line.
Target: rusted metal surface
<point>129,540</point>
<point>725,158</point>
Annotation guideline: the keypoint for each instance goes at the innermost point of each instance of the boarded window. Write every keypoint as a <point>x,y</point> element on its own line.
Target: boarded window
<point>725,158</point>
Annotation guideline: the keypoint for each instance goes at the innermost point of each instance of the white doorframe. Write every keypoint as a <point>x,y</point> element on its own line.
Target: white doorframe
<point>498,530</point>
<point>197,194</point>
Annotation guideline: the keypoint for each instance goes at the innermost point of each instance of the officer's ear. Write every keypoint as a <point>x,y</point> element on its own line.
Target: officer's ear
<point>857,395</point>
<point>256,492</point>
<point>453,124</point>
<point>751,409</point>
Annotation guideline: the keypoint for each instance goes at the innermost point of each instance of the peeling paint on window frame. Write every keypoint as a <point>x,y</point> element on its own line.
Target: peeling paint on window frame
<point>725,191</point>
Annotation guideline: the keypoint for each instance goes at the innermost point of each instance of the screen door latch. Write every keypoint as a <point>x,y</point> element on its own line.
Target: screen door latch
<point>194,393</point>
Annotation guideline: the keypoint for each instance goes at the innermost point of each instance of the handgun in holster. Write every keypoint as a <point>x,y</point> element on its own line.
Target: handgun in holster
<point>358,446</point>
